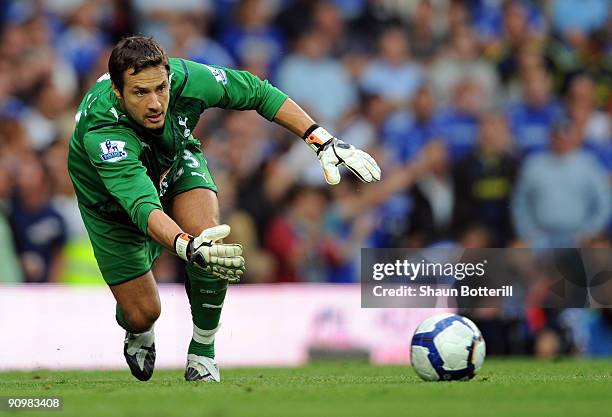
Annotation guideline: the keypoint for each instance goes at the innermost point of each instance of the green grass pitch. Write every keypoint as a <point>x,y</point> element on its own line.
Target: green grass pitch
<point>503,388</point>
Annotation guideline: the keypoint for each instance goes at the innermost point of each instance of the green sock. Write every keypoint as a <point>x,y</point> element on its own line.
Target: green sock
<point>206,295</point>
<point>202,349</point>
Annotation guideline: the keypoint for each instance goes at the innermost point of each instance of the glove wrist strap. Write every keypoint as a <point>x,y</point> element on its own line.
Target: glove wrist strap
<point>182,246</point>
<point>317,138</point>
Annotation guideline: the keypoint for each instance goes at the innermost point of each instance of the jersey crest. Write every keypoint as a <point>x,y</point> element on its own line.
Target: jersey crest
<point>113,150</point>
<point>218,73</point>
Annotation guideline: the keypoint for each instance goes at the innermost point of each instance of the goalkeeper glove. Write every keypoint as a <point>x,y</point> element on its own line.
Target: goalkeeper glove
<point>224,261</point>
<point>333,152</point>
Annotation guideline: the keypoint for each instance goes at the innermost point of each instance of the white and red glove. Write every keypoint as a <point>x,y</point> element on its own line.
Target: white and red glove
<point>333,152</point>
<point>224,261</point>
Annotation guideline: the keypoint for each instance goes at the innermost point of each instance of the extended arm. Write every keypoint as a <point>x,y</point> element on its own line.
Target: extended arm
<point>292,117</point>
<point>241,90</point>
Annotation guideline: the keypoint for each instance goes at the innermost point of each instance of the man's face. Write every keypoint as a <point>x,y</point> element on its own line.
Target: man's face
<point>494,135</point>
<point>145,96</point>
<point>423,103</point>
<point>537,87</point>
<point>565,141</point>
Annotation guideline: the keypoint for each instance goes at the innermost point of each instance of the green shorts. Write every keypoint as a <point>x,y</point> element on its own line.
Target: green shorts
<point>121,250</point>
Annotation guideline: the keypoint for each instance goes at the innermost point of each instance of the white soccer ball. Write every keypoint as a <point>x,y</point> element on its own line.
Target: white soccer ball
<point>447,347</point>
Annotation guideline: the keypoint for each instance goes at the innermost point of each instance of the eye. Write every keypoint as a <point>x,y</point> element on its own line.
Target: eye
<point>140,93</point>
<point>161,88</point>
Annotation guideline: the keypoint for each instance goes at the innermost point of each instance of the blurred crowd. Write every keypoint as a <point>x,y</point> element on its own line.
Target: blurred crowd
<point>491,120</point>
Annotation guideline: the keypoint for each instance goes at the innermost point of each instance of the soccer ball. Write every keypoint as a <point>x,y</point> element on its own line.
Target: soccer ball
<point>447,347</point>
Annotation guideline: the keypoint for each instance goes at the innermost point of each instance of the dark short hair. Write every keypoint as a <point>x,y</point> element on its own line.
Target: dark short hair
<point>137,53</point>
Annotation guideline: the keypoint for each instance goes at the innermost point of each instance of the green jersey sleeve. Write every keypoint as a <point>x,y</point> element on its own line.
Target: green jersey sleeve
<point>115,155</point>
<point>226,88</point>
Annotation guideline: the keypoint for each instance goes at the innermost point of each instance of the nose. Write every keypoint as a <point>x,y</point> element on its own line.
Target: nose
<point>153,104</point>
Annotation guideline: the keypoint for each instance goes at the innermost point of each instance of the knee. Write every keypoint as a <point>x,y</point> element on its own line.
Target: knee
<point>142,318</point>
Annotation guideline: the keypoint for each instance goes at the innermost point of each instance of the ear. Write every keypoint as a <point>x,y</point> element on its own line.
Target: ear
<point>116,91</point>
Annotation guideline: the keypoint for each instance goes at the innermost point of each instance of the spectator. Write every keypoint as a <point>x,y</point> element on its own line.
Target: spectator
<point>458,15</point>
<point>31,60</point>
<point>594,124</point>
<point>241,145</point>
<point>14,143</point>
<point>425,34</point>
<point>562,195</point>
<point>42,121</point>
<point>310,73</point>
<point>244,231</point>
<point>40,231</point>
<point>351,230</point>
<point>518,42</point>
<point>513,63</point>
<point>327,20</point>
<point>376,16</point>
<point>152,15</point>
<point>362,130</point>
<point>294,17</point>
<point>10,106</point>
<point>597,63</point>
<point>251,32</point>
<point>533,115</point>
<point>462,62</point>
<point>392,74</point>
<point>298,241</point>
<point>432,199</point>
<point>82,42</point>
<point>405,133</point>
<point>63,198</point>
<point>582,110</point>
<point>458,123</point>
<point>407,137</point>
<point>590,55</point>
<point>187,41</point>
<point>508,21</point>
<point>483,182</point>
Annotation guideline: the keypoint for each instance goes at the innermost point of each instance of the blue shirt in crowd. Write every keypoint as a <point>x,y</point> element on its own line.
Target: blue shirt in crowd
<point>38,233</point>
<point>242,44</point>
<point>394,82</point>
<point>460,132</point>
<point>531,125</point>
<point>560,198</point>
<point>404,136</point>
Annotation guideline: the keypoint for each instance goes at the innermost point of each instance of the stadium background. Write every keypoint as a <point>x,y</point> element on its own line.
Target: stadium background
<point>501,104</point>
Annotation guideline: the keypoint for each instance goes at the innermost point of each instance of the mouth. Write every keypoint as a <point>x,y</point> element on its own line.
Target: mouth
<point>155,118</point>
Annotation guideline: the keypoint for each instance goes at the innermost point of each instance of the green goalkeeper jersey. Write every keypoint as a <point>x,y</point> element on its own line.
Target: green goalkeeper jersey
<point>119,169</point>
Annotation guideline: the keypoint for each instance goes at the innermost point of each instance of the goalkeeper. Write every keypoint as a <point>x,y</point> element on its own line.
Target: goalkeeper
<point>143,184</point>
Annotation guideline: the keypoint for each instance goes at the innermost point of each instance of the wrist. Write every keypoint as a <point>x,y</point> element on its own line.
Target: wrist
<point>183,246</point>
<point>317,138</point>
